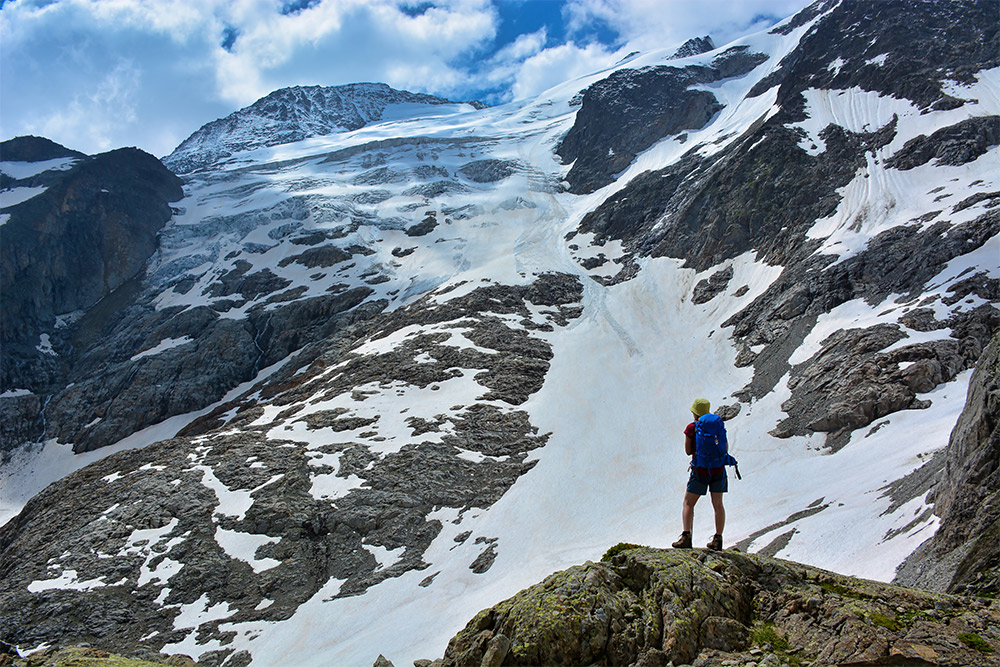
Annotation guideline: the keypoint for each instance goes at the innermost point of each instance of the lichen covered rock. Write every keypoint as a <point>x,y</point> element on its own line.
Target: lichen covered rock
<point>652,607</point>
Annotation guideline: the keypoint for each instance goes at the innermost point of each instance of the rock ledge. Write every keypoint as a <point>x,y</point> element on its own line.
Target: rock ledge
<point>646,606</point>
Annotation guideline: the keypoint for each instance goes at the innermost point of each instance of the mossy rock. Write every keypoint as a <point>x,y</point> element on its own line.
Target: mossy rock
<point>77,656</point>
<point>652,606</point>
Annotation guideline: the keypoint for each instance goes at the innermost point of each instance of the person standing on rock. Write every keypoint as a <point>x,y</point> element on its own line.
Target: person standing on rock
<point>705,442</point>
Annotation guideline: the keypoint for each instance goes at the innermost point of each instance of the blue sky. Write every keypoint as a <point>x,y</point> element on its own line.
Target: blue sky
<point>99,74</point>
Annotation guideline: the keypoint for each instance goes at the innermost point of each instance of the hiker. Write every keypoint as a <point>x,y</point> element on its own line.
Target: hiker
<point>705,443</point>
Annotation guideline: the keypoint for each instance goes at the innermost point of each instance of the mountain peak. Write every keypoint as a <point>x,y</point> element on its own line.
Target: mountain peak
<point>291,114</point>
<point>34,149</point>
<point>694,46</point>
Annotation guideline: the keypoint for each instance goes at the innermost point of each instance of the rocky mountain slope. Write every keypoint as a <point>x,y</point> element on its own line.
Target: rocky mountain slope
<point>78,232</point>
<point>408,364</point>
<point>964,554</point>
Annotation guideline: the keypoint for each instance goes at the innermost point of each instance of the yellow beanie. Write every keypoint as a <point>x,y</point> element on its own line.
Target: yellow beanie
<point>701,406</point>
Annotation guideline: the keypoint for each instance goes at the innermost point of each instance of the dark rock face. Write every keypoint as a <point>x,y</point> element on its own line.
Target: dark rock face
<point>82,241</point>
<point>850,383</point>
<point>488,171</point>
<point>118,390</point>
<point>954,145</point>
<point>765,198</point>
<point>34,149</point>
<point>694,46</point>
<point>646,606</point>
<point>629,111</point>
<point>923,44</point>
<point>964,554</point>
<point>710,287</point>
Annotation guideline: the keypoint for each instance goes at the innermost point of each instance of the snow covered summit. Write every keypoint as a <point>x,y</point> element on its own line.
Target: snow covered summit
<point>292,114</point>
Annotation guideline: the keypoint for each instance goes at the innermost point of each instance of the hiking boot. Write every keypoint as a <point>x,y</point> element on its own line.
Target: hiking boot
<point>716,543</point>
<point>684,542</point>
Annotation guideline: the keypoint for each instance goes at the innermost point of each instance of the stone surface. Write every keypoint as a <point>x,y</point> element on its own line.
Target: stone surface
<point>84,239</point>
<point>964,554</point>
<point>653,607</point>
<point>630,110</point>
<point>79,656</point>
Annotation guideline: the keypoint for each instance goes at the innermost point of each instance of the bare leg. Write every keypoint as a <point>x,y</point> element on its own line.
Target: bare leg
<point>687,513</point>
<point>720,513</point>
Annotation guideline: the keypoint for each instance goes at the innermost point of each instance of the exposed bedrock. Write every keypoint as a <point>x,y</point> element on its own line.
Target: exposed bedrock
<point>964,554</point>
<point>123,384</point>
<point>644,606</point>
<point>181,490</point>
<point>716,208</point>
<point>64,250</point>
<point>630,110</point>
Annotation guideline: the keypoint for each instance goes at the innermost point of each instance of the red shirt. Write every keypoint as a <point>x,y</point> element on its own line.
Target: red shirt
<point>689,432</point>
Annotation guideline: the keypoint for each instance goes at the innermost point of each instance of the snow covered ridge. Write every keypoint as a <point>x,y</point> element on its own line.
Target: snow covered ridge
<point>456,376</point>
<point>293,114</point>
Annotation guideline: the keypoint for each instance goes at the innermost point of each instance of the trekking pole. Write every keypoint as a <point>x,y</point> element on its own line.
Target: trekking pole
<point>736,466</point>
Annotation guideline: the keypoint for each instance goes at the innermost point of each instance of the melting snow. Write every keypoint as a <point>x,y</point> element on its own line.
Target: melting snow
<point>20,170</point>
<point>66,581</point>
<point>163,346</point>
<point>244,546</point>
<point>15,196</point>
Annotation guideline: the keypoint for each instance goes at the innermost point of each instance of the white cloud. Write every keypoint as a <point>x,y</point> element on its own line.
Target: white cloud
<point>94,118</point>
<point>351,40</point>
<point>98,74</point>
<point>556,65</point>
<point>61,63</point>
<point>654,24</point>
<point>524,46</point>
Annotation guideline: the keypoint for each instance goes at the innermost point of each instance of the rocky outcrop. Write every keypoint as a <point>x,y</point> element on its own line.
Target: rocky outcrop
<point>630,110</point>
<point>81,656</point>
<point>644,606</point>
<point>708,210</point>
<point>84,237</point>
<point>694,46</point>
<point>32,149</point>
<point>77,248</point>
<point>953,145</point>
<point>964,554</point>
<point>322,488</point>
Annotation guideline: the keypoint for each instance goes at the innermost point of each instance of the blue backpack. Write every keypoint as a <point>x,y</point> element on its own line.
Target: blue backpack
<point>711,449</point>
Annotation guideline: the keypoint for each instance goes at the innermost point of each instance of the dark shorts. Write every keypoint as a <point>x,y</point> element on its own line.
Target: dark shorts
<point>701,483</point>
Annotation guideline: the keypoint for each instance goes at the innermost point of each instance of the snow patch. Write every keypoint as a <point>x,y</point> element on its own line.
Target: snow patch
<point>20,170</point>
<point>15,196</point>
<point>244,546</point>
<point>163,346</point>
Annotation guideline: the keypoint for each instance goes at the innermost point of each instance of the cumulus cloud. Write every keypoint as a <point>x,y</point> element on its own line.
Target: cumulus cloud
<point>193,62</point>
<point>98,74</point>
<point>654,24</point>
<point>352,40</point>
<point>94,118</point>
<point>556,65</point>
